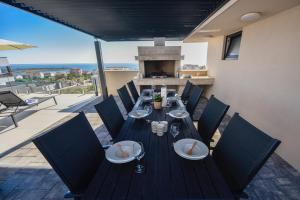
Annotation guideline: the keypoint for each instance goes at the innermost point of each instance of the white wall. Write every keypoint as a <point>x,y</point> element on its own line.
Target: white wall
<point>115,79</point>
<point>264,84</point>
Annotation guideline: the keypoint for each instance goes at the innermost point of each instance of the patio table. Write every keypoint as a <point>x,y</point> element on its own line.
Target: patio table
<point>167,176</point>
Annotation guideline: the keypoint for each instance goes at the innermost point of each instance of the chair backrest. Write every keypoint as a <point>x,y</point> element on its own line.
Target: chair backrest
<point>241,152</point>
<point>186,91</point>
<point>134,93</point>
<point>211,118</point>
<point>194,99</point>
<point>74,152</point>
<point>125,98</point>
<point>9,99</point>
<point>110,115</point>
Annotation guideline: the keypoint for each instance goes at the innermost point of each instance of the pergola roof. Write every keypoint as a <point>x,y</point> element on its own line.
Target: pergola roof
<point>125,20</point>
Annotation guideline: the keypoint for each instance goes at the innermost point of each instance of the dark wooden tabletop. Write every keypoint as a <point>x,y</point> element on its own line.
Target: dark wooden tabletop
<point>167,176</point>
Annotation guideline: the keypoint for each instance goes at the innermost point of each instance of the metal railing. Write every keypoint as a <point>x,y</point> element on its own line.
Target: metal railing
<point>65,88</point>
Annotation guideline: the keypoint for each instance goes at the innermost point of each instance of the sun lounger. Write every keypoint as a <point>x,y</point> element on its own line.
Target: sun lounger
<point>14,104</point>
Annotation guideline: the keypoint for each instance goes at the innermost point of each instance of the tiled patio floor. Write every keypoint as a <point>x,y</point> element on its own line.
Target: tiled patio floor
<point>25,174</point>
<point>46,114</point>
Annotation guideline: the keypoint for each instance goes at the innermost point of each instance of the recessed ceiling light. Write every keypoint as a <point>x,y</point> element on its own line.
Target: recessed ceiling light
<point>250,17</point>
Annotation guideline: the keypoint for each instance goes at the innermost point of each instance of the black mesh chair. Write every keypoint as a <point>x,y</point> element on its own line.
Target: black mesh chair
<point>241,152</point>
<point>110,115</point>
<point>125,98</point>
<point>134,93</point>
<point>211,118</point>
<point>193,99</point>
<point>186,91</point>
<point>74,152</point>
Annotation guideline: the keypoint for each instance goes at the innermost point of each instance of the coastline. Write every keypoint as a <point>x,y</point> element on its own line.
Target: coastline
<point>66,67</point>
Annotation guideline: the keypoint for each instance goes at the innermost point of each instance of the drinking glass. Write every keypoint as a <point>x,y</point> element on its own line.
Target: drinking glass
<point>174,129</point>
<point>153,88</point>
<point>140,168</point>
<point>169,103</point>
<point>149,109</point>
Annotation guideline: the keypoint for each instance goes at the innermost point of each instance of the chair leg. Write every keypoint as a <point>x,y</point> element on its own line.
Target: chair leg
<point>14,120</point>
<point>54,100</point>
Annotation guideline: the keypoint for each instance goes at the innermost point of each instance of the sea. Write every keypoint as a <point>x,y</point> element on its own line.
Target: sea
<point>67,67</point>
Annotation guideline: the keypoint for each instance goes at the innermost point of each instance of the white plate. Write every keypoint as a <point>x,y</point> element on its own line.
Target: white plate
<point>200,151</point>
<point>138,114</point>
<point>179,114</point>
<point>131,147</point>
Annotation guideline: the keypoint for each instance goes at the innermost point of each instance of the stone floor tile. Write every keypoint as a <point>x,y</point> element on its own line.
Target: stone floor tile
<point>30,194</point>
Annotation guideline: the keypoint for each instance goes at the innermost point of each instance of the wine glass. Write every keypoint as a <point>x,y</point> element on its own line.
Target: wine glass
<point>153,88</point>
<point>169,103</point>
<point>174,129</point>
<point>149,109</point>
<point>140,168</point>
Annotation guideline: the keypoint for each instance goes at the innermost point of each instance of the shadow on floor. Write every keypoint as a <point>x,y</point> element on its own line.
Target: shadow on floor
<point>6,121</point>
<point>30,183</point>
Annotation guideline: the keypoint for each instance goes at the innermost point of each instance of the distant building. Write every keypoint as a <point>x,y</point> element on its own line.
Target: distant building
<point>87,72</point>
<point>76,71</point>
<point>19,76</point>
<point>6,74</point>
<point>49,74</point>
<point>60,75</point>
<point>26,76</point>
<point>35,74</point>
<point>39,75</point>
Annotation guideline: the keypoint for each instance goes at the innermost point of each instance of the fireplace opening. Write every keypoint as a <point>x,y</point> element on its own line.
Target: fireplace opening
<point>159,68</point>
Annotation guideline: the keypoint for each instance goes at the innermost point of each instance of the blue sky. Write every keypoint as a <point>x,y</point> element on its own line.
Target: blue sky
<point>60,44</point>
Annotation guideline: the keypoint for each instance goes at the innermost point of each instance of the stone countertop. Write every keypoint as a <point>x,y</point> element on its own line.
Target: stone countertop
<point>200,80</point>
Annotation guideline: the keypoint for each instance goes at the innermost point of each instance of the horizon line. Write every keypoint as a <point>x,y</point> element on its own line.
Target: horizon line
<point>69,63</point>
